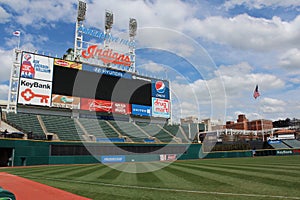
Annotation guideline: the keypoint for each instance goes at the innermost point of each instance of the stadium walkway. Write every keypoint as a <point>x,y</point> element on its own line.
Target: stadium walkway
<point>25,189</point>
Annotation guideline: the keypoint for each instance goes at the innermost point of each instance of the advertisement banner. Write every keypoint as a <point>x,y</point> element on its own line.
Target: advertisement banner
<point>95,105</point>
<point>112,159</point>
<point>121,108</point>
<point>160,89</point>
<point>34,92</point>
<point>141,110</point>
<point>284,152</point>
<point>167,157</point>
<point>105,71</point>
<point>62,101</point>
<point>160,107</point>
<point>65,63</point>
<point>36,67</point>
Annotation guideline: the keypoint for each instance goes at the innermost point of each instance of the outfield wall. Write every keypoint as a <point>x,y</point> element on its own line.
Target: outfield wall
<point>31,152</point>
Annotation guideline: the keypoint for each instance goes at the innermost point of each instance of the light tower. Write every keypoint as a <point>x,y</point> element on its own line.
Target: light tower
<point>132,34</point>
<point>79,34</point>
<point>14,81</point>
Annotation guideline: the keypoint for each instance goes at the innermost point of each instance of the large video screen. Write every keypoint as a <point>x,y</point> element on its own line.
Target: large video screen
<point>79,83</point>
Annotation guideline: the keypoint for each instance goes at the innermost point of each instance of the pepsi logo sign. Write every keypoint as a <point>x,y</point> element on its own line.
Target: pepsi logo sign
<point>160,87</point>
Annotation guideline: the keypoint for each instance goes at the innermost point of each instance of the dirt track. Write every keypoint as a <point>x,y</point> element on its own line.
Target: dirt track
<point>25,189</point>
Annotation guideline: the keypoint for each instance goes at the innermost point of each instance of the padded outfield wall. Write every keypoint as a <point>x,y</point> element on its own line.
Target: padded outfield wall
<point>30,152</point>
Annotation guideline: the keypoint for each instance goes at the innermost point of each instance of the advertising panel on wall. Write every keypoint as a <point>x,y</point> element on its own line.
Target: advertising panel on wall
<point>65,63</point>
<point>34,92</point>
<point>109,72</point>
<point>160,89</point>
<point>121,108</point>
<point>112,159</point>
<point>141,110</point>
<point>36,67</point>
<point>160,107</point>
<point>62,101</point>
<point>95,105</point>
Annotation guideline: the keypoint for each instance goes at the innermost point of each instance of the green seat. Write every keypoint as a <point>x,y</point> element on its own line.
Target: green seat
<point>6,195</point>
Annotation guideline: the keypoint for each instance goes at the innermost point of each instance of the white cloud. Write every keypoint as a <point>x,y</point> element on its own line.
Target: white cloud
<point>246,32</point>
<point>6,64</point>
<point>39,13</point>
<point>270,105</point>
<point>152,67</point>
<point>3,91</point>
<point>4,16</point>
<point>259,4</point>
<point>291,60</point>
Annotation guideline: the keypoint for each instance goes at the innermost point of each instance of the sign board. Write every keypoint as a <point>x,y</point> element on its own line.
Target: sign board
<point>160,89</point>
<point>34,92</point>
<point>160,107</point>
<point>141,110</point>
<point>36,67</point>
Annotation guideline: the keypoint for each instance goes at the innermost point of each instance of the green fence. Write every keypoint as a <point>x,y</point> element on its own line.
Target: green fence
<point>31,152</point>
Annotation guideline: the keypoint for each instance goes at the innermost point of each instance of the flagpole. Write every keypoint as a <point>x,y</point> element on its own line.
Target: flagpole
<point>19,41</point>
<point>261,122</point>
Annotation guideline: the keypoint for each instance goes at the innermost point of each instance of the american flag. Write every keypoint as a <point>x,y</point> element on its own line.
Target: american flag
<point>256,93</point>
<point>16,33</point>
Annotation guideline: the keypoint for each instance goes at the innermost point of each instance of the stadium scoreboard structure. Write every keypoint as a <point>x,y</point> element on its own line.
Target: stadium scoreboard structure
<point>55,83</point>
<point>99,77</point>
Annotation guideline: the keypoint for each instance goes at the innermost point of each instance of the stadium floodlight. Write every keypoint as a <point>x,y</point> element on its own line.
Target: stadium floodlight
<point>81,11</point>
<point>109,19</point>
<point>132,27</point>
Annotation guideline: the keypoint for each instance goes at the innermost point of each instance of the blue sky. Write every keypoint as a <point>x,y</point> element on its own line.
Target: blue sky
<point>213,52</point>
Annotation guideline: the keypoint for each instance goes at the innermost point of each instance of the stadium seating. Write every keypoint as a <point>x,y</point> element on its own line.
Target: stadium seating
<point>98,128</point>
<point>292,143</point>
<point>70,129</point>
<point>279,145</point>
<point>155,131</point>
<point>176,132</point>
<point>130,130</point>
<point>27,123</point>
<point>64,127</point>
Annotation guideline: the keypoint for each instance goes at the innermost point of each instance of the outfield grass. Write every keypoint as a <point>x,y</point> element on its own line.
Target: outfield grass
<point>237,178</point>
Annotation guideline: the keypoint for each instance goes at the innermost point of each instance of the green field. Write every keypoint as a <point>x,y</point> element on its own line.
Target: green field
<point>234,178</point>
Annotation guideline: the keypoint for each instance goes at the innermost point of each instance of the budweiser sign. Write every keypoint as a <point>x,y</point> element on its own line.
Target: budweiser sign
<point>107,55</point>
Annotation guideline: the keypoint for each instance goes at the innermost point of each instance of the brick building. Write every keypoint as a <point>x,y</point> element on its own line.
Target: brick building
<point>244,124</point>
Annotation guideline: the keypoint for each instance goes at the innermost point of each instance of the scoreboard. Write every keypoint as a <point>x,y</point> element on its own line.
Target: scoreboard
<point>50,82</point>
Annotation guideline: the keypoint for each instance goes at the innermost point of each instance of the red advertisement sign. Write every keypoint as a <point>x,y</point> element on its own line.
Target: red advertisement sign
<point>95,105</point>
<point>122,108</point>
<point>106,55</point>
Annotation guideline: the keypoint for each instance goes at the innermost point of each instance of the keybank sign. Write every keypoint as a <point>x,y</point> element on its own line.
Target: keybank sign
<point>104,36</point>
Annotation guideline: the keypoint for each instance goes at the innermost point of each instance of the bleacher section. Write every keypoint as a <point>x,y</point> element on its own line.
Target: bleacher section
<point>292,143</point>
<point>98,128</point>
<point>27,123</point>
<point>64,127</point>
<point>185,128</point>
<point>129,130</point>
<point>155,131</point>
<point>67,128</point>
<point>278,145</point>
<point>176,132</point>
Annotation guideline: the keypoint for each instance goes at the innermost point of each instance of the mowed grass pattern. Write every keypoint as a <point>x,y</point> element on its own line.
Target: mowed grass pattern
<point>234,178</point>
